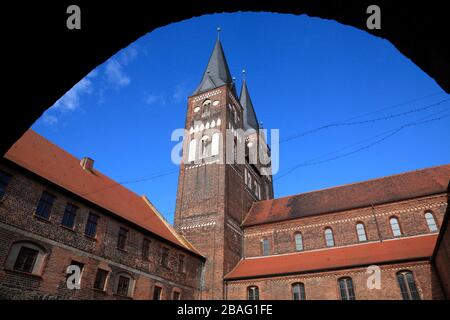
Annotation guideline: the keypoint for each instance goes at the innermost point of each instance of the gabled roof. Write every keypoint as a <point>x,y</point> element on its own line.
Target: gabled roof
<point>388,251</point>
<point>38,155</point>
<point>217,72</point>
<point>250,120</point>
<point>393,188</point>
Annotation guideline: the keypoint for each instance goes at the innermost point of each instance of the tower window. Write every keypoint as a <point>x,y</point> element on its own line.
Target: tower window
<point>346,288</point>
<point>298,291</point>
<point>431,223</point>
<point>192,150</point>
<point>45,205</point>
<point>407,285</point>
<point>215,144</point>
<point>205,107</point>
<point>298,241</point>
<point>395,227</point>
<point>361,232</point>
<point>206,147</point>
<point>329,239</point>
<point>253,293</point>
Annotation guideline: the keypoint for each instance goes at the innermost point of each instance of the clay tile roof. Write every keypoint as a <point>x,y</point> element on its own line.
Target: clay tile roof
<point>393,188</point>
<point>38,155</point>
<point>388,251</point>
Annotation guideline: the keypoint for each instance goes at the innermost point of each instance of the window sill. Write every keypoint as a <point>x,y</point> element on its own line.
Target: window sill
<point>42,218</point>
<point>90,238</point>
<point>33,275</point>
<point>67,228</point>
<point>122,296</point>
<point>122,250</point>
<point>100,291</point>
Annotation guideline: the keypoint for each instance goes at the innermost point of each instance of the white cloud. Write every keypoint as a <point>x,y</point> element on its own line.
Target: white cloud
<point>153,99</point>
<point>71,100</point>
<point>180,92</point>
<point>115,74</point>
<point>114,69</point>
<point>49,119</point>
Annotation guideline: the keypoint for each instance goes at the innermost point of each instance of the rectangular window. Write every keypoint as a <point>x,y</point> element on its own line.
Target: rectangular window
<point>145,249</point>
<point>165,257</point>
<point>91,225</point>
<point>26,259</point>
<point>123,285</point>
<point>4,181</point>
<point>100,279</point>
<point>70,213</point>
<point>45,204</point>
<point>176,295</point>
<point>157,293</point>
<point>122,239</point>
<point>181,263</point>
<point>79,265</point>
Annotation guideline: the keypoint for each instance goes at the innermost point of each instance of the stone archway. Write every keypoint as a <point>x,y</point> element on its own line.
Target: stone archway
<point>47,59</point>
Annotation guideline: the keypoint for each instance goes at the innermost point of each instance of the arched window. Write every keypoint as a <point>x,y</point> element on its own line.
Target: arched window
<point>346,288</point>
<point>206,147</point>
<point>407,285</point>
<point>26,257</point>
<point>215,144</point>
<point>192,150</point>
<point>329,239</point>
<point>298,241</point>
<point>361,232</point>
<point>253,293</point>
<point>395,227</point>
<point>298,291</point>
<point>432,226</point>
<point>265,246</point>
<point>124,284</point>
<point>206,105</point>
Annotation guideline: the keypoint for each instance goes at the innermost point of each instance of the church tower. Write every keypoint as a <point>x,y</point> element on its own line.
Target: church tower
<point>218,181</point>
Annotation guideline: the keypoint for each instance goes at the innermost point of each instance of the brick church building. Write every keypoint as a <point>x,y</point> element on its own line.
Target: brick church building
<point>231,239</point>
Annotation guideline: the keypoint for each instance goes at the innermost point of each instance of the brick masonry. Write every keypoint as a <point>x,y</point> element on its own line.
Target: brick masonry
<point>324,285</point>
<point>62,245</point>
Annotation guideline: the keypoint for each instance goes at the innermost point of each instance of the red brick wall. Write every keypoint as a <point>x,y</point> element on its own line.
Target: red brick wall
<point>324,286</point>
<point>17,223</point>
<point>410,214</point>
<point>442,256</point>
<point>212,199</point>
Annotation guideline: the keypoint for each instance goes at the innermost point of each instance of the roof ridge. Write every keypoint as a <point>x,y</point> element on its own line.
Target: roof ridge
<point>358,182</point>
<point>182,239</point>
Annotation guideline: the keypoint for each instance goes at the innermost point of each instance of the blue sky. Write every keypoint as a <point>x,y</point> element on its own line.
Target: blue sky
<point>302,73</point>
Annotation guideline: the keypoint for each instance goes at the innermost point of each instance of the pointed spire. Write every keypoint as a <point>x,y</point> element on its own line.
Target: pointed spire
<point>217,72</point>
<point>250,120</point>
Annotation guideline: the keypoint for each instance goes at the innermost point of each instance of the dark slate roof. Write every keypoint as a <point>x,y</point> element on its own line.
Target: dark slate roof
<point>398,187</point>
<point>250,120</point>
<point>217,72</point>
